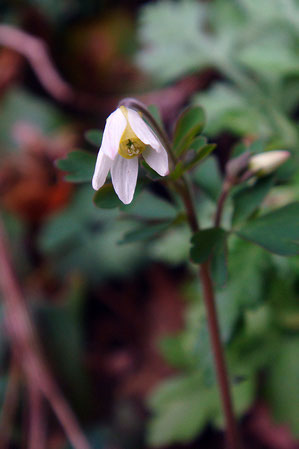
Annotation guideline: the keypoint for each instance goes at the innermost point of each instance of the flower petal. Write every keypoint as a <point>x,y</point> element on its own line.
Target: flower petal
<point>101,170</point>
<point>143,131</point>
<point>115,125</point>
<point>124,177</point>
<point>157,161</point>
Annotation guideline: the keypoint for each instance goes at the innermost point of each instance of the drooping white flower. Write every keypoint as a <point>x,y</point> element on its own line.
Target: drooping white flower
<point>266,163</point>
<point>126,137</point>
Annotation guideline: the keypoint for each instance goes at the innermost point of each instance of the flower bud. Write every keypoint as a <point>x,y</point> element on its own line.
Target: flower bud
<point>266,163</point>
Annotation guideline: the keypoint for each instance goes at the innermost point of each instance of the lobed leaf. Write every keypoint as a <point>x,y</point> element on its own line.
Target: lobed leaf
<point>79,164</point>
<point>277,231</point>
<point>248,199</point>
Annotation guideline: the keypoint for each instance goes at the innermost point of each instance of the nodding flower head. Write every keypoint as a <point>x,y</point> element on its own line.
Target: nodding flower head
<point>127,137</point>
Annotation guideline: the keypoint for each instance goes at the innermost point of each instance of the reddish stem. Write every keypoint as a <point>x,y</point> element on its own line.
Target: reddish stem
<point>232,435</point>
<point>221,370</point>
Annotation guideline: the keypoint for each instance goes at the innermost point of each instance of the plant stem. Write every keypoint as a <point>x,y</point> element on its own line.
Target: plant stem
<point>232,436</point>
<point>220,204</point>
<point>184,189</point>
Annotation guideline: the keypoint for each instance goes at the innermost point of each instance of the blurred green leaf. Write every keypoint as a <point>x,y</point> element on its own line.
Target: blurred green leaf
<point>277,231</point>
<point>62,332</point>
<point>207,176</point>
<point>201,154</point>
<point>84,239</point>
<point>150,206</point>
<point>189,124</point>
<point>94,137</point>
<point>219,268</point>
<point>186,396</point>
<point>106,198</point>
<point>271,56</point>
<point>205,243</point>
<point>172,247</point>
<point>171,402</point>
<point>282,386</point>
<point>247,199</point>
<point>162,45</point>
<point>79,164</point>
<point>245,262</point>
<point>144,232</point>
<point>227,109</point>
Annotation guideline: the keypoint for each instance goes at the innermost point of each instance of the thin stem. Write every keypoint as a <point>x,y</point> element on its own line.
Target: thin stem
<point>232,434</point>
<point>185,191</point>
<point>220,204</point>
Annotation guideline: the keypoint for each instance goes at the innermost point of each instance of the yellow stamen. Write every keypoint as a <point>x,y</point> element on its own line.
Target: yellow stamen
<point>130,145</point>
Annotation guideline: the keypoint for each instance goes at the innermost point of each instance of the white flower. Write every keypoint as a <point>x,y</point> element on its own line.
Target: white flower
<point>126,137</point>
<point>266,163</point>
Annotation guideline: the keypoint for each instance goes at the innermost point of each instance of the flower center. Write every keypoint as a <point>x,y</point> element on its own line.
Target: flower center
<point>130,145</point>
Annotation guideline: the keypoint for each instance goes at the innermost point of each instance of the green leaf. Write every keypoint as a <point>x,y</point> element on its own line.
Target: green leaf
<point>228,109</point>
<point>172,402</point>
<point>150,206</point>
<point>164,52</point>
<point>144,232</point>
<point>106,198</point>
<point>207,176</point>
<point>198,143</point>
<point>200,156</point>
<point>205,243</point>
<point>94,137</point>
<point>219,264</point>
<point>282,386</point>
<point>247,199</point>
<point>183,406</point>
<point>177,171</point>
<point>231,301</point>
<point>189,124</point>
<point>202,150</point>
<point>79,164</point>
<point>272,56</point>
<point>277,231</point>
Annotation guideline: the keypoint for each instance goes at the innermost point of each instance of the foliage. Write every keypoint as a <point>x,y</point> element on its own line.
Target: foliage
<point>237,40</point>
<point>90,266</point>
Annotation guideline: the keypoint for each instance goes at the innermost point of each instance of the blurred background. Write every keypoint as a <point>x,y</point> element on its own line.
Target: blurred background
<point>122,327</point>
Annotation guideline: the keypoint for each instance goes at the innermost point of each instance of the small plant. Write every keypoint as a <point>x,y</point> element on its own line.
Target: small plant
<point>249,176</point>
